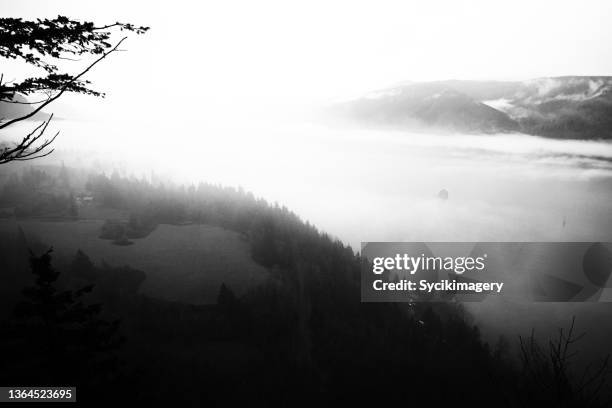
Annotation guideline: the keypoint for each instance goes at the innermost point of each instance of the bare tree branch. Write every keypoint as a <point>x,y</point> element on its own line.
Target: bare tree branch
<point>24,150</point>
<point>62,90</point>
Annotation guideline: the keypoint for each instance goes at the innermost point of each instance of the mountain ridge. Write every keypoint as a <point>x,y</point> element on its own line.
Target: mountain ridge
<point>566,107</point>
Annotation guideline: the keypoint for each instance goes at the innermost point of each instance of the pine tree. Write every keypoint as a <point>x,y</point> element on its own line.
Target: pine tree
<point>226,298</point>
<point>64,176</point>
<point>82,267</point>
<point>58,337</point>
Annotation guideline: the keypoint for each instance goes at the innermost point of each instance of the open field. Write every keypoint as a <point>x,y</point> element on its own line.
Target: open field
<point>182,263</point>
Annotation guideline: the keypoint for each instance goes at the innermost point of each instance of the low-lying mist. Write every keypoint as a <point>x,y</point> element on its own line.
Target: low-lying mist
<point>375,185</point>
<point>367,185</point>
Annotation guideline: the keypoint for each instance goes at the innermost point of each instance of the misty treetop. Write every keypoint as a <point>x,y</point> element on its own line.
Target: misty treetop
<point>42,43</point>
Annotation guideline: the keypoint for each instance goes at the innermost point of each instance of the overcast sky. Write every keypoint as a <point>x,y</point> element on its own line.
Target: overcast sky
<point>228,55</point>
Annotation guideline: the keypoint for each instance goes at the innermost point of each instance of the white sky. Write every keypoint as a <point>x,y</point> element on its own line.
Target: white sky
<point>230,56</point>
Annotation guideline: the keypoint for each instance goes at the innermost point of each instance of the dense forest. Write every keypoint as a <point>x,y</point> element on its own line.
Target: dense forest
<point>303,332</point>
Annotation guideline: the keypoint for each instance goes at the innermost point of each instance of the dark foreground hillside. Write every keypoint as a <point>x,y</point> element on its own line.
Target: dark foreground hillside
<point>299,336</point>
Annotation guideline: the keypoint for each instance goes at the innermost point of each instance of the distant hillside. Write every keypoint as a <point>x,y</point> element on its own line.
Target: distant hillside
<point>18,107</point>
<point>433,104</point>
<point>560,107</point>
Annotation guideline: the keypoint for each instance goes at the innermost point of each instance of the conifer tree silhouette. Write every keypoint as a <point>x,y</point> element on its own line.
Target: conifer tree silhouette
<point>62,339</point>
